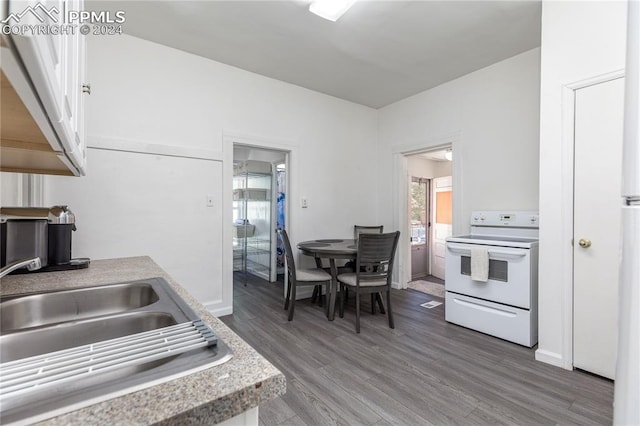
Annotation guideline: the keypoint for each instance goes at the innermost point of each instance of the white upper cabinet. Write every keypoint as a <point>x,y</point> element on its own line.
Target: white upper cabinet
<point>53,61</point>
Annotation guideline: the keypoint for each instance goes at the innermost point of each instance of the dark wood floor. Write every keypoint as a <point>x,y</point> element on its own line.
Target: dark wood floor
<point>425,371</point>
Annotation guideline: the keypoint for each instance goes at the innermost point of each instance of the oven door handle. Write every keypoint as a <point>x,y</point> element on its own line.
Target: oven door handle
<point>484,308</point>
<point>465,249</point>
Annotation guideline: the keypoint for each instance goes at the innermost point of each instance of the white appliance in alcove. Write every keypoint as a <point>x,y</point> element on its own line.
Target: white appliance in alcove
<point>506,304</point>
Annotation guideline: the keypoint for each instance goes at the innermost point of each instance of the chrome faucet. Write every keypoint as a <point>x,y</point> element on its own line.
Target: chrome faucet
<point>31,264</point>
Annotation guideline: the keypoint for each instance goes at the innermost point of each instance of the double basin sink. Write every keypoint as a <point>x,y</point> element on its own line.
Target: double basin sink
<point>67,349</point>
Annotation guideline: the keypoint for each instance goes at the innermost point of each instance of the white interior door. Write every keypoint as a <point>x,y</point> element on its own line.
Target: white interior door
<point>442,223</point>
<point>597,225</point>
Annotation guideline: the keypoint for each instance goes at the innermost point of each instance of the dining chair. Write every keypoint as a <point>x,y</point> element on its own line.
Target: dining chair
<point>362,229</point>
<point>300,277</point>
<point>373,273</point>
<point>350,265</point>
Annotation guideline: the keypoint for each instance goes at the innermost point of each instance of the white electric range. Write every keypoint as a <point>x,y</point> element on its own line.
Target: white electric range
<point>506,304</point>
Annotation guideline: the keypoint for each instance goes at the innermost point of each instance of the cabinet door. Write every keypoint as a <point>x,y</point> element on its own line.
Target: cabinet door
<point>80,105</point>
<point>42,54</point>
<point>55,64</point>
<point>73,97</point>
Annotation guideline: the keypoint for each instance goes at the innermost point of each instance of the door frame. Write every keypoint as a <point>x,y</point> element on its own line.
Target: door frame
<point>567,182</point>
<point>274,210</point>
<point>229,139</point>
<point>400,173</point>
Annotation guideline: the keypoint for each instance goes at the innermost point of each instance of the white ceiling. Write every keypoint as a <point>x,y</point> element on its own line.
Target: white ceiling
<point>379,52</point>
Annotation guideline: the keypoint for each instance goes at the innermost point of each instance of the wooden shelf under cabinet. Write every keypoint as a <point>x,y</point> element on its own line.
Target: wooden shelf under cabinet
<point>23,147</point>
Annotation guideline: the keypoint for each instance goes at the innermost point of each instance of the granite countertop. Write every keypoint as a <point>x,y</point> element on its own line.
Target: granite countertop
<point>208,396</point>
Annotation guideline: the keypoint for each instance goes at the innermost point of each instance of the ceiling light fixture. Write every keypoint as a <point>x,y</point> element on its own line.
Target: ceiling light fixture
<point>330,9</point>
<point>448,154</point>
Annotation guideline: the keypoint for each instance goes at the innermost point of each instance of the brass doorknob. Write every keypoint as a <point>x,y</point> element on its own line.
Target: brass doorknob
<point>584,243</point>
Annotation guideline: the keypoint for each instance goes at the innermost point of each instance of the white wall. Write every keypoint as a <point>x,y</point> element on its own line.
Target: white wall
<point>154,99</point>
<point>491,116</point>
<point>580,41</point>
<point>134,204</point>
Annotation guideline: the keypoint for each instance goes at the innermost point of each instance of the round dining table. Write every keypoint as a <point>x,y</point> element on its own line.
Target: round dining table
<point>331,249</point>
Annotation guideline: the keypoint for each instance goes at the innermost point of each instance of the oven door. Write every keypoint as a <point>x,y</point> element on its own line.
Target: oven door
<point>509,274</point>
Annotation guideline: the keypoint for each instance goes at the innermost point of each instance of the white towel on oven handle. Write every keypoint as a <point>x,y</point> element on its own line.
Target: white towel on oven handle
<point>480,264</point>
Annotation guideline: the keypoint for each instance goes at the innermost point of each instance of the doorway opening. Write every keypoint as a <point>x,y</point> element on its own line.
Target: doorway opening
<point>429,213</point>
<point>258,210</point>
<point>420,222</point>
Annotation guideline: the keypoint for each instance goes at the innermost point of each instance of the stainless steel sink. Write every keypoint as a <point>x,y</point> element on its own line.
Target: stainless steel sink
<point>71,305</point>
<point>42,340</point>
<point>67,349</point>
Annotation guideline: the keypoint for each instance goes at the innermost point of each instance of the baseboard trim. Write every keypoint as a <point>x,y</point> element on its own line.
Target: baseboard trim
<point>219,312</point>
<point>552,358</point>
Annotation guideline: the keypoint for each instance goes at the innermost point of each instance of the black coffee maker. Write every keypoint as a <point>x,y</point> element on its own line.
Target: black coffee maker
<point>61,222</point>
<point>29,232</point>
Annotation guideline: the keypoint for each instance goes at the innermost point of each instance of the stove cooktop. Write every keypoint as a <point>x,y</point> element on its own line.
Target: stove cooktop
<point>494,240</point>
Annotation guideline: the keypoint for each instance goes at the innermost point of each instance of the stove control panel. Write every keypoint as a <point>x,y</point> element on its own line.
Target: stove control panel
<point>512,218</point>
